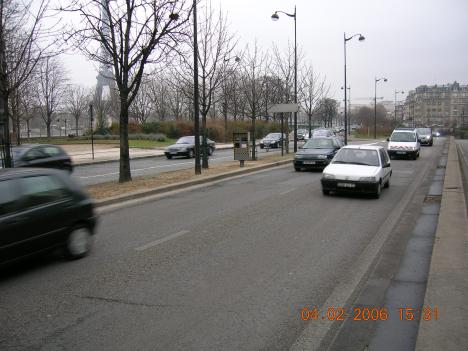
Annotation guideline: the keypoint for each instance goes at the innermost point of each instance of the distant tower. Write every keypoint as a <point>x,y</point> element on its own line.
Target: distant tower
<point>105,77</point>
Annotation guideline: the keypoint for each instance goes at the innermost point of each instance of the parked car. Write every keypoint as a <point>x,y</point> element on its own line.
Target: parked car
<point>41,155</point>
<point>185,146</point>
<point>404,143</point>
<point>425,136</point>
<point>40,210</point>
<point>316,153</point>
<point>358,168</point>
<point>272,140</point>
<point>322,132</point>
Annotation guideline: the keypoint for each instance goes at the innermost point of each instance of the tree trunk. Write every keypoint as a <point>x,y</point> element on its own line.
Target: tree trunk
<point>76,126</point>
<point>48,123</point>
<point>5,132</point>
<point>124,165</point>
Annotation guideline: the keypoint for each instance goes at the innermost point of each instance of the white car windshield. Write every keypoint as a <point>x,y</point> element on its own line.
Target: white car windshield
<point>403,137</point>
<point>357,157</point>
<point>424,131</point>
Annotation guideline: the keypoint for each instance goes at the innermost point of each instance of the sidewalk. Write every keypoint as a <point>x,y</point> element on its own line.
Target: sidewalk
<point>447,285</point>
<point>82,155</point>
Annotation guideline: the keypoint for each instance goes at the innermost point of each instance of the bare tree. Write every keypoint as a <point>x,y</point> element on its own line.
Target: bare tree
<point>312,89</point>
<point>24,42</point>
<point>142,106</point>
<point>77,100</point>
<point>254,67</point>
<point>215,55</point>
<point>126,36</point>
<point>50,91</point>
<point>159,96</point>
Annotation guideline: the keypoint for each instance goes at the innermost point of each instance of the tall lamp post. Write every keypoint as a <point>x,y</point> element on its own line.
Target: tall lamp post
<point>375,103</point>
<point>345,40</point>
<point>275,17</point>
<point>394,118</point>
<point>196,95</point>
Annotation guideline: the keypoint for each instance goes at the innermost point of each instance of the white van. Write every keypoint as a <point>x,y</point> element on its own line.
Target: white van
<point>404,143</point>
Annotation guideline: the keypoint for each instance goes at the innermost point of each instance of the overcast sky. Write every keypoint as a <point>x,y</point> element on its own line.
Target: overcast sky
<point>410,42</point>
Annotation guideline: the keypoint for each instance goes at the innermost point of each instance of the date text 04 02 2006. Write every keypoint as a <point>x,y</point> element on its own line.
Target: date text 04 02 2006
<point>370,313</point>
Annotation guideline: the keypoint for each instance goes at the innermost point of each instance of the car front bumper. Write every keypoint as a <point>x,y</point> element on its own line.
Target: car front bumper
<point>349,186</point>
<point>402,153</point>
<point>312,164</point>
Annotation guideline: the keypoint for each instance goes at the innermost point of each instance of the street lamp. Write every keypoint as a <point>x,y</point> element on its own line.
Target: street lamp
<point>275,17</point>
<point>394,118</point>
<point>196,94</point>
<point>361,38</point>
<point>349,111</point>
<point>375,103</point>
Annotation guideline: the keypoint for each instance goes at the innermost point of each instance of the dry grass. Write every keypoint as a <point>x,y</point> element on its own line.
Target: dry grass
<point>110,189</point>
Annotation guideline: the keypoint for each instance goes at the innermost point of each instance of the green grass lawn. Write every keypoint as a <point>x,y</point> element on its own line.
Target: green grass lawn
<point>145,144</point>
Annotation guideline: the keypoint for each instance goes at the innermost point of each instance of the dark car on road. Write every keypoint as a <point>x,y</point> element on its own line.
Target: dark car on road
<point>272,140</point>
<point>185,146</point>
<point>40,210</point>
<point>41,155</point>
<point>316,153</point>
<point>425,136</point>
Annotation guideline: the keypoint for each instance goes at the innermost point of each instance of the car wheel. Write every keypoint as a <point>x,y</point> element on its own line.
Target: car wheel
<point>168,157</point>
<point>378,190</point>
<point>297,169</point>
<point>79,243</point>
<point>210,151</point>
<point>325,192</point>
<point>387,184</point>
<point>190,154</point>
<point>261,146</point>
<point>415,156</point>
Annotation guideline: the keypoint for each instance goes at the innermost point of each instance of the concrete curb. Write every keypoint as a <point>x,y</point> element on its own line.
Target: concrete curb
<point>88,163</point>
<point>182,185</point>
<point>447,285</point>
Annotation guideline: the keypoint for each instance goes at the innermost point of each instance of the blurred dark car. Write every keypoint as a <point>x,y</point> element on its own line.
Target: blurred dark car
<point>272,140</point>
<point>185,146</point>
<point>316,153</point>
<point>40,210</point>
<point>43,155</point>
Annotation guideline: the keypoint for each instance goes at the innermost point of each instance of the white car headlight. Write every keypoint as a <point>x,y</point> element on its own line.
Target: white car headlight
<point>367,179</point>
<point>328,176</point>
<point>183,149</point>
<point>322,156</point>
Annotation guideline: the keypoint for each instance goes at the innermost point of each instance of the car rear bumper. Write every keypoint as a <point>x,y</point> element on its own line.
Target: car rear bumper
<point>349,186</point>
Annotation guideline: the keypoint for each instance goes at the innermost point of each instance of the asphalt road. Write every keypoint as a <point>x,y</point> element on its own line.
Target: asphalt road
<point>226,267</point>
<point>109,171</point>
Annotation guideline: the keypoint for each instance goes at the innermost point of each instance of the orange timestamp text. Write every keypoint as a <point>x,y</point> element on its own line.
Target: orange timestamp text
<point>370,313</point>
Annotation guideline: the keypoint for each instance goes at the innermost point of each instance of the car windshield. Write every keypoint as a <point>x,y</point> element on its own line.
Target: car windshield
<point>403,137</point>
<point>185,140</point>
<point>357,157</point>
<point>319,144</point>
<point>321,132</point>
<point>424,131</point>
<point>273,136</point>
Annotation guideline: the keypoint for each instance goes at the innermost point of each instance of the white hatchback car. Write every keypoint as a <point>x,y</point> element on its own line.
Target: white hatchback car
<point>404,143</point>
<point>358,168</point>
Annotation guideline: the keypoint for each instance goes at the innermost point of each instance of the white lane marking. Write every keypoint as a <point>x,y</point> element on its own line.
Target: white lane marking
<point>163,240</point>
<point>287,191</point>
<point>147,168</point>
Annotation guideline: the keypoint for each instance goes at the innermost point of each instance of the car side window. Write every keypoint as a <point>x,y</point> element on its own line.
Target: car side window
<point>383,157</point>
<point>34,154</point>
<point>40,190</point>
<point>9,197</point>
<point>51,151</point>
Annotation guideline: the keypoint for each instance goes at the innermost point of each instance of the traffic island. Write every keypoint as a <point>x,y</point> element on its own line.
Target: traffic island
<point>113,192</point>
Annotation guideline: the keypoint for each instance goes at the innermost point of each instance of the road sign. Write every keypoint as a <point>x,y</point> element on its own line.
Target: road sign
<point>279,108</point>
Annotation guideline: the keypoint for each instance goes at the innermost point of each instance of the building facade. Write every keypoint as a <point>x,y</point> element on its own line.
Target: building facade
<point>437,106</point>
